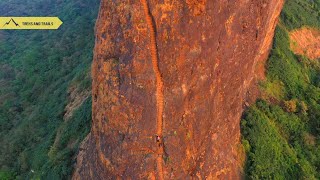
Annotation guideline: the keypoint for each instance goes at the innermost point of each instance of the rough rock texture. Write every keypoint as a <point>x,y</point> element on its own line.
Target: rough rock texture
<point>209,55</point>
<point>306,41</point>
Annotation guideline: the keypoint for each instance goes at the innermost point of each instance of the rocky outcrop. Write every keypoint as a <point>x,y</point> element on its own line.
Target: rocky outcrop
<point>306,41</point>
<point>209,54</point>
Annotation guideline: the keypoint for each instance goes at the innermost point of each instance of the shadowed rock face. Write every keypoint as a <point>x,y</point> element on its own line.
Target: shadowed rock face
<point>210,54</point>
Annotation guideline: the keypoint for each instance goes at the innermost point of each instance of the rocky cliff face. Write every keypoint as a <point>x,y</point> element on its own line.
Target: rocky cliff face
<point>170,80</point>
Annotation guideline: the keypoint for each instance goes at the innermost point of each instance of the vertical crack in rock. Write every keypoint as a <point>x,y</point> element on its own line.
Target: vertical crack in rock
<point>159,86</point>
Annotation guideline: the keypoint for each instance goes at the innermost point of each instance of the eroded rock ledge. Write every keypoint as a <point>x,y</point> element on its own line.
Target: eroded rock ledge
<point>210,53</point>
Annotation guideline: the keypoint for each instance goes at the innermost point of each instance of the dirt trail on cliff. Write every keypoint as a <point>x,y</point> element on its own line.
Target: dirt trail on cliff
<point>159,84</point>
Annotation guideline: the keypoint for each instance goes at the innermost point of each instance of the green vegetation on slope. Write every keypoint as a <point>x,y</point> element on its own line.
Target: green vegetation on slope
<point>36,70</point>
<point>281,131</point>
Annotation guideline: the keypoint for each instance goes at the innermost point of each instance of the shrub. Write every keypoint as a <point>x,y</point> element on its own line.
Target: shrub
<point>290,106</point>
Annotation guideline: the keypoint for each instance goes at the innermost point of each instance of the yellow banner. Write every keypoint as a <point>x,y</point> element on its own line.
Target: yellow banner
<point>30,22</point>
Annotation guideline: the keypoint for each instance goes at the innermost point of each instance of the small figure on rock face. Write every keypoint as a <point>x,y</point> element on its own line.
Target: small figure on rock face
<point>158,139</point>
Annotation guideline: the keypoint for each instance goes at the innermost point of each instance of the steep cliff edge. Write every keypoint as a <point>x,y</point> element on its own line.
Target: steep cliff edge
<point>208,53</point>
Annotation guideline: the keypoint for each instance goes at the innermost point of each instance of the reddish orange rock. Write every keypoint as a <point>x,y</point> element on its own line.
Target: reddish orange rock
<point>210,53</point>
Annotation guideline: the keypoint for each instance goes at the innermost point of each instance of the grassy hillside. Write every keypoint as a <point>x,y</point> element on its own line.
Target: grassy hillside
<point>37,69</point>
<point>281,131</point>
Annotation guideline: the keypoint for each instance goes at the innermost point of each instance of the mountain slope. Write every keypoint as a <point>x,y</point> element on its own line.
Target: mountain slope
<point>41,72</point>
<point>281,131</point>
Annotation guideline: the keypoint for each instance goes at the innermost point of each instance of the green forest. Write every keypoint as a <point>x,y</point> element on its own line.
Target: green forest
<point>281,131</point>
<point>37,69</point>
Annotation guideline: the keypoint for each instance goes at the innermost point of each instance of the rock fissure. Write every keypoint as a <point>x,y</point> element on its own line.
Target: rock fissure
<point>159,87</point>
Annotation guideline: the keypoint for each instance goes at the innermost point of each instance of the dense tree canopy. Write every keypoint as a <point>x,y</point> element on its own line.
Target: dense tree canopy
<point>37,67</point>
